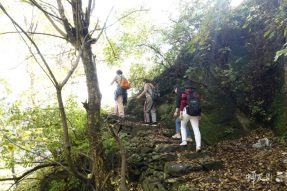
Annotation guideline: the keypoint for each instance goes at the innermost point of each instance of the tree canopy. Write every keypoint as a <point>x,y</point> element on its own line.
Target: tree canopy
<point>234,55</point>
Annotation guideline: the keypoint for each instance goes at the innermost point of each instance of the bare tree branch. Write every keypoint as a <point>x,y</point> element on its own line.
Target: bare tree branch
<point>75,65</point>
<point>34,44</point>
<point>47,14</point>
<point>130,13</point>
<point>89,10</point>
<point>34,33</point>
<point>103,28</point>
<point>34,56</point>
<point>157,52</point>
<point>65,21</point>
<point>113,51</point>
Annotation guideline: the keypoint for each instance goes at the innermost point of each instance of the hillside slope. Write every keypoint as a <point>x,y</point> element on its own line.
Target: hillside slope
<point>157,162</point>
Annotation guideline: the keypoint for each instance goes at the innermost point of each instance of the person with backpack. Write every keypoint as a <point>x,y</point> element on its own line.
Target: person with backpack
<point>120,93</point>
<point>190,111</point>
<point>177,134</point>
<point>150,102</point>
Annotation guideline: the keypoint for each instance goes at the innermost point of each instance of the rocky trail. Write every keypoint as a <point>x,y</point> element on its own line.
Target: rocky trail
<point>156,162</point>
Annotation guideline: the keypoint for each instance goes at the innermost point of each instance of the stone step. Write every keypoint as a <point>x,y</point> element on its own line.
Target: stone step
<point>179,169</point>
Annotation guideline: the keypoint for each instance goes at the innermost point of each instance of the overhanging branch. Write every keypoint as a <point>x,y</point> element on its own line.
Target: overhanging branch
<point>54,81</point>
<point>37,33</point>
<point>18,178</point>
<point>47,14</point>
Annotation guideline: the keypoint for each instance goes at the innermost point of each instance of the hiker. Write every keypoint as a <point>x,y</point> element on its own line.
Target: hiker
<point>149,105</point>
<point>120,94</point>
<point>185,116</point>
<point>177,134</point>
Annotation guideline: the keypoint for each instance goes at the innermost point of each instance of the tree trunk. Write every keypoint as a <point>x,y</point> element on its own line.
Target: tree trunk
<point>101,172</point>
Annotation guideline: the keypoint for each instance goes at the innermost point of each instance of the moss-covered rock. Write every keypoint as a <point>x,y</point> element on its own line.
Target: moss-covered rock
<point>220,118</point>
<point>278,108</point>
<point>279,113</point>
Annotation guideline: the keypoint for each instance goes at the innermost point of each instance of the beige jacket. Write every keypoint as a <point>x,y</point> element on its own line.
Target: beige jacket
<point>147,90</point>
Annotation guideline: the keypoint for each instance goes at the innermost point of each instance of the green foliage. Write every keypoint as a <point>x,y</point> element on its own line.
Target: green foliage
<point>133,32</point>
<point>77,120</point>
<point>138,72</point>
<point>280,53</point>
<point>195,73</point>
<point>112,53</point>
<point>49,179</point>
<point>226,51</point>
<point>4,89</point>
<point>228,131</point>
<point>30,135</point>
<point>279,113</point>
<point>184,187</point>
<point>257,108</point>
<point>109,143</point>
<point>140,45</point>
<point>66,184</point>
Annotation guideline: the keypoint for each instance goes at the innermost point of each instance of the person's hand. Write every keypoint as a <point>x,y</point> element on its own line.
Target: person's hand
<point>138,97</point>
<point>175,114</point>
<point>181,116</point>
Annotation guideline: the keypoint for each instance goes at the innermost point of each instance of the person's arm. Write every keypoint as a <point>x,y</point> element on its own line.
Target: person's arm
<point>115,79</point>
<point>183,103</point>
<point>144,91</point>
<point>176,112</point>
<point>177,103</point>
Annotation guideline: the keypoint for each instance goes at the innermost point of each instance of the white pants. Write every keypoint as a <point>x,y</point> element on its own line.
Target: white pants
<point>194,120</point>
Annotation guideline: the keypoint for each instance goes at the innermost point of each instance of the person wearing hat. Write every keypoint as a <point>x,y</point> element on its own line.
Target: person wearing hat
<point>185,117</point>
<point>177,134</point>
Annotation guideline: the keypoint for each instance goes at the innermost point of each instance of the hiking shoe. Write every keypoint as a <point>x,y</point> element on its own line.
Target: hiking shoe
<point>189,139</point>
<point>184,143</point>
<point>145,123</point>
<point>154,124</point>
<point>176,136</point>
<point>198,150</point>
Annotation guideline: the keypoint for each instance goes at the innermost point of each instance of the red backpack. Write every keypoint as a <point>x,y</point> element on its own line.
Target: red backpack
<point>125,84</point>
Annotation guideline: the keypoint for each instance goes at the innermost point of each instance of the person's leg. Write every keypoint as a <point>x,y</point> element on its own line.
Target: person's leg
<point>177,125</point>
<point>147,109</point>
<point>194,120</point>
<point>183,129</point>
<point>188,134</point>
<point>120,106</point>
<point>177,129</point>
<point>116,110</point>
<point>153,113</point>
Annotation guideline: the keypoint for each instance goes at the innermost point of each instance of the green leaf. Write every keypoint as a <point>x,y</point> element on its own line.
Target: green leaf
<point>280,53</point>
<point>267,33</point>
<point>285,32</point>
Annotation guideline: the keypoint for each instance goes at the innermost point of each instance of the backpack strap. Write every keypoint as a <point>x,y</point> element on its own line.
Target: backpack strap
<point>121,79</point>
